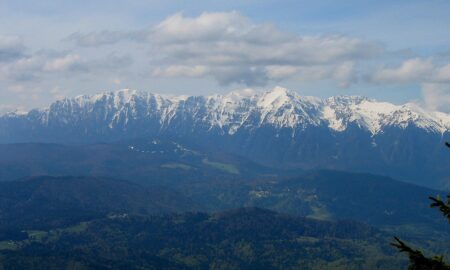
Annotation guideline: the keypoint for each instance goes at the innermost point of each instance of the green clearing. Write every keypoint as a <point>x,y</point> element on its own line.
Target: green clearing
<point>320,213</point>
<point>53,235</point>
<point>176,166</point>
<point>229,168</point>
<point>37,236</point>
<point>9,245</point>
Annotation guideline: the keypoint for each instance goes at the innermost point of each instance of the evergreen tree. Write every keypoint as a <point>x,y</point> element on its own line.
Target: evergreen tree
<point>417,260</point>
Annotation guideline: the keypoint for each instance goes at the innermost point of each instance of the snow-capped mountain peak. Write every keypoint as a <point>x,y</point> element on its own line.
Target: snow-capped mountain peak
<point>242,109</point>
<point>278,128</point>
<point>275,98</point>
<point>374,116</point>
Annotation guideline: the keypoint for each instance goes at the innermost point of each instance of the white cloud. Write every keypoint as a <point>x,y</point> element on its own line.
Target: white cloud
<point>63,63</point>
<point>437,96</point>
<point>443,74</point>
<point>44,65</point>
<point>416,70</point>
<point>345,74</point>
<point>229,38</point>
<point>279,72</point>
<point>180,71</point>
<point>206,27</point>
<point>412,70</point>
<point>230,48</point>
<point>17,88</point>
<point>57,93</point>
<point>21,69</point>
<point>11,48</point>
<point>96,39</point>
<point>6,108</point>
<point>224,46</point>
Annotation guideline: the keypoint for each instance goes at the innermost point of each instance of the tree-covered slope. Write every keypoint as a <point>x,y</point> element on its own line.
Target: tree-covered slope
<point>50,202</point>
<point>248,238</point>
<point>374,199</point>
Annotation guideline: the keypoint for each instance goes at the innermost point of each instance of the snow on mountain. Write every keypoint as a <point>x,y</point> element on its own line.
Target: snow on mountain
<point>246,108</point>
<point>278,128</point>
<point>443,118</point>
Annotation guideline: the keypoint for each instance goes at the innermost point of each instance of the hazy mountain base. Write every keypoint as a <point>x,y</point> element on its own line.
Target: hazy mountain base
<point>242,239</point>
<point>148,162</point>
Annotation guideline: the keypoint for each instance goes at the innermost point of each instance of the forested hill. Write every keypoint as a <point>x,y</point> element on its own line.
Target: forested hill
<point>247,238</point>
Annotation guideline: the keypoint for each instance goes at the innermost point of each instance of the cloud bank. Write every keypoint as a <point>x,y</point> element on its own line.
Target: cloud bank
<point>232,49</point>
<point>11,48</point>
<point>225,47</point>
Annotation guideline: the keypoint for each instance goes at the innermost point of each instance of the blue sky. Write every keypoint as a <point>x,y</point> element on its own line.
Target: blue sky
<point>397,51</point>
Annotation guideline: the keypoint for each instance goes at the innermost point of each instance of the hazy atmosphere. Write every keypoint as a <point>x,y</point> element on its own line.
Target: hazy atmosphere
<point>391,51</point>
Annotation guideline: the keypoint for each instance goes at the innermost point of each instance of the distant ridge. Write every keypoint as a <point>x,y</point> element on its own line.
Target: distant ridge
<point>279,107</point>
<point>277,128</point>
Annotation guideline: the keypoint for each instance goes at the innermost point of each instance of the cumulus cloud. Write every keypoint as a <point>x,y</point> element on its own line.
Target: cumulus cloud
<point>95,39</point>
<point>11,48</point>
<point>437,96</point>
<point>230,38</point>
<point>344,74</point>
<point>181,71</point>
<point>416,70</point>
<point>230,48</point>
<point>21,70</point>
<point>43,65</point>
<point>225,46</point>
<point>443,74</point>
<point>64,63</point>
<point>412,70</point>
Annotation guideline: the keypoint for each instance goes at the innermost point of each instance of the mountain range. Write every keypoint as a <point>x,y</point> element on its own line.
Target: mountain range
<point>277,128</point>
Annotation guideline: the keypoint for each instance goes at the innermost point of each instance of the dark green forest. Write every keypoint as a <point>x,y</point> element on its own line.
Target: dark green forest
<point>104,223</point>
<point>108,206</point>
<point>247,238</point>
